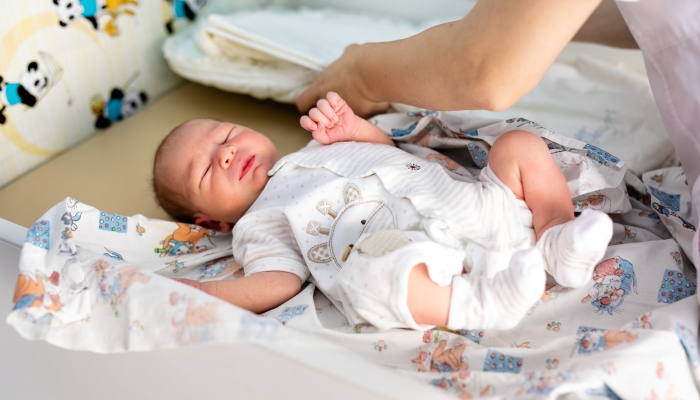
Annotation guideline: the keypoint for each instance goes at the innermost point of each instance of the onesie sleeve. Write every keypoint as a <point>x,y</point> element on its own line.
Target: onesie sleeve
<point>264,241</point>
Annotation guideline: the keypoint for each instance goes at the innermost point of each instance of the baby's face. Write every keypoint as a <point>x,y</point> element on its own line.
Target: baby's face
<point>220,168</point>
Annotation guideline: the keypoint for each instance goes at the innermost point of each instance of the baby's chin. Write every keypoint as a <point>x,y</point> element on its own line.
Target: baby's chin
<point>261,178</point>
<point>232,216</point>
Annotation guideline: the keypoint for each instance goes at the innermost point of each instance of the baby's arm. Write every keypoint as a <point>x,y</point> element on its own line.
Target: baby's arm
<point>332,120</point>
<point>257,293</point>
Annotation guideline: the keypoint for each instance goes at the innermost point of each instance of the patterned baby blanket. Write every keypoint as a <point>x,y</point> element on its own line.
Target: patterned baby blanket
<point>98,281</point>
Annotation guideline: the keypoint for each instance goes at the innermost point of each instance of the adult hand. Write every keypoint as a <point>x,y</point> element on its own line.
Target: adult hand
<point>344,78</point>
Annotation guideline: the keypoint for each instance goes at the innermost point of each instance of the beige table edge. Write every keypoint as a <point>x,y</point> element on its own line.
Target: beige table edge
<point>112,169</point>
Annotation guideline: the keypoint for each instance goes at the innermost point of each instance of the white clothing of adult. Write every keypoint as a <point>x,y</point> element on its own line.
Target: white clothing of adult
<point>668,33</point>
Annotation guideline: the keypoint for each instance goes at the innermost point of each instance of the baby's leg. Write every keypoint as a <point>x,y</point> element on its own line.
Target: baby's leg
<point>522,161</point>
<point>478,302</point>
<point>395,279</point>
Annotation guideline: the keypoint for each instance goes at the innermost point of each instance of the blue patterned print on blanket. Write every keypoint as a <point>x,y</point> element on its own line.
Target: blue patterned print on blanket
<point>423,113</point>
<point>291,312</point>
<point>543,383</point>
<point>590,340</point>
<point>443,383</point>
<point>38,235</point>
<point>690,343</point>
<point>600,155</point>
<point>593,340</point>
<point>113,222</point>
<point>524,122</point>
<point>254,327</point>
<point>603,391</point>
<point>496,361</point>
<point>686,224</point>
<point>27,300</point>
<point>671,201</point>
<point>674,287</point>
<point>71,219</point>
<point>403,132</point>
<point>614,280</point>
<point>479,154</point>
<point>473,335</point>
<point>113,254</point>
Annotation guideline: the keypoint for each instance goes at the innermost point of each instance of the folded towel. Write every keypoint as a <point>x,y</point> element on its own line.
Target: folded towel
<point>309,38</point>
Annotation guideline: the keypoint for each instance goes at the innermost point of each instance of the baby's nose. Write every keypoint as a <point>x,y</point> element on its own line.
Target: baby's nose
<point>226,156</point>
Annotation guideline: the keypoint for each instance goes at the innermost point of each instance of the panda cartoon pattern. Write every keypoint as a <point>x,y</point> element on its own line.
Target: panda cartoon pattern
<point>70,11</point>
<point>120,105</point>
<point>32,84</point>
<point>182,9</point>
<point>101,14</point>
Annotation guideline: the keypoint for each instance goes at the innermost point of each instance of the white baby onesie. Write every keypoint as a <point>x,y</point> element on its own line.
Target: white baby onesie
<point>321,200</point>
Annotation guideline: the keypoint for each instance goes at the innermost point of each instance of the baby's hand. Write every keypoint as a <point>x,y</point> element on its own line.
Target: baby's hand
<point>332,120</point>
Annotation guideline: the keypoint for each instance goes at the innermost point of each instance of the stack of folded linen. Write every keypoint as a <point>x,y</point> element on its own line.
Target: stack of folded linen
<point>275,53</point>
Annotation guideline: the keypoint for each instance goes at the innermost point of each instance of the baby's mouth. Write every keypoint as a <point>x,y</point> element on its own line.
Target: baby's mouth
<point>247,165</point>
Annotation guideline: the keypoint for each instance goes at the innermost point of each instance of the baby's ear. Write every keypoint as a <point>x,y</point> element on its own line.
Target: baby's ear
<point>203,220</point>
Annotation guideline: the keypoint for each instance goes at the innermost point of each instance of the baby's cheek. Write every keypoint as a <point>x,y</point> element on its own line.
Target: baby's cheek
<point>263,178</point>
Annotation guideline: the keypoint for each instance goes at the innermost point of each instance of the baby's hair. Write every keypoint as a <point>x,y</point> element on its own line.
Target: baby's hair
<point>174,204</point>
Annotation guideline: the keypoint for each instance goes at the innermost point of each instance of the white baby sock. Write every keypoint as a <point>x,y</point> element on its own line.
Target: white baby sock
<point>501,302</point>
<point>571,250</point>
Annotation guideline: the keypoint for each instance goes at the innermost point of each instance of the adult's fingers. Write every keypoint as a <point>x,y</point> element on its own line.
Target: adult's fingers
<point>341,76</point>
<point>369,109</point>
<point>308,97</point>
<point>360,106</point>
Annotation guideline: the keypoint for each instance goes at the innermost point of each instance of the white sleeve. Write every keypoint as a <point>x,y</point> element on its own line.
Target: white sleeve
<point>263,241</point>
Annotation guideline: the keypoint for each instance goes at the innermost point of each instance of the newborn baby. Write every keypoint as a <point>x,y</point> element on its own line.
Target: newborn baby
<point>390,238</point>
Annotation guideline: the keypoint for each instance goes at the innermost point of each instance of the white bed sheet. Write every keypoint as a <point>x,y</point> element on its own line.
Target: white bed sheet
<point>32,370</point>
<point>102,286</point>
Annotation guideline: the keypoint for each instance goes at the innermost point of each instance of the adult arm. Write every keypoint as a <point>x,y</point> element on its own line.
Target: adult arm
<point>606,26</point>
<point>487,60</point>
